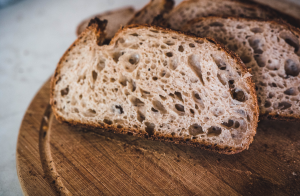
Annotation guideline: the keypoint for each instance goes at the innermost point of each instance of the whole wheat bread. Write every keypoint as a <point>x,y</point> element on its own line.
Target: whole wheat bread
<point>116,18</point>
<point>270,49</point>
<point>190,9</point>
<point>157,83</point>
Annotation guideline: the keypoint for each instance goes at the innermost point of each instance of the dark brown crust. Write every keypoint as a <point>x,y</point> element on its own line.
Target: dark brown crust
<point>167,6</point>
<point>255,5</point>
<point>82,23</point>
<point>206,145</point>
<point>279,22</point>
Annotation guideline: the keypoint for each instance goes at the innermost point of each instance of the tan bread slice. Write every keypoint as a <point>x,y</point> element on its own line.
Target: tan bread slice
<point>151,10</point>
<point>157,83</point>
<point>116,18</point>
<point>271,50</point>
<point>190,9</point>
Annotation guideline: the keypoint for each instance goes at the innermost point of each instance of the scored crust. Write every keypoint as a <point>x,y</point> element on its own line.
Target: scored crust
<point>95,28</point>
<point>277,22</point>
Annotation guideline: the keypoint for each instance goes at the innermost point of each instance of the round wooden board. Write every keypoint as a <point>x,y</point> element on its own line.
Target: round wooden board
<point>54,159</point>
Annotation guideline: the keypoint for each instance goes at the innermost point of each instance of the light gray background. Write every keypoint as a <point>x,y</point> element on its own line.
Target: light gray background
<point>33,36</point>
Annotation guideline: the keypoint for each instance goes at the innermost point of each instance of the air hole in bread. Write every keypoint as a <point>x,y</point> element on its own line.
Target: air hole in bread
<point>135,101</point>
<point>154,78</point>
<point>268,104</point>
<point>154,110</point>
<point>107,121</point>
<point>290,39</point>
<point>117,55</point>
<point>271,95</point>
<point>180,48</point>
<point>240,26</point>
<point>178,96</point>
<point>194,64</point>
<point>260,60</point>
<point>198,100</point>
<point>123,80</point>
<point>257,30</point>
<point>162,97</point>
<point>64,91</point>
<point>133,61</point>
<point>216,24</point>
<point>94,75</point>
<point>132,85</point>
<point>154,31</point>
<point>191,45</point>
<point>163,73</point>
<point>140,116</point>
<point>192,111</point>
<point>256,45</point>
<point>291,68</point>
<point>134,34</point>
<point>219,62</point>
<point>145,93</point>
<point>195,129</point>
<point>149,128</point>
<point>169,42</point>
<point>291,91</point>
<point>228,124</point>
<point>169,54</point>
<point>118,109</point>
<point>163,46</point>
<point>213,131</point>
<point>221,79</point>
<point>90,113</point>
<point>159,106</point>
<point>236,124</point>
<point>179,107</point>
<point>245,58</point>
<point>284,105</point>
<point>119,126</point>
<point>173,63</point>
<point>238,95</point>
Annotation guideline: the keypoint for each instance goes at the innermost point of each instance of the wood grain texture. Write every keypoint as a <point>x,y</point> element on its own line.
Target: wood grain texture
<point>97,162</point>
<point>57,159</point>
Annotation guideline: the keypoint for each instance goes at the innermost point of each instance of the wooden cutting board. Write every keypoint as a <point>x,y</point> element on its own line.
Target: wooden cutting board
<point>56,159</point>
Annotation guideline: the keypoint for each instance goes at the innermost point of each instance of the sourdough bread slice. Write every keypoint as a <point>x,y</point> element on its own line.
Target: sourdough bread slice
<point>190,9</point>
<point>157,83</point>
<point>270,49</point>
<point>151,10</point>
<point>116,18</point>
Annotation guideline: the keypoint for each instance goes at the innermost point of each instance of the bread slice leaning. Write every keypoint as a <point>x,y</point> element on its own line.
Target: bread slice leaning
<point>157,83</point>
<point>190,9</point>
<point>116,18</point>
<point>271,50</point>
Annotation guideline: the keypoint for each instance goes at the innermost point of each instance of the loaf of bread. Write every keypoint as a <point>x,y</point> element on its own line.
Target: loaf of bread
<point>116,18</point>
<point>190,9</point>
<point>157,83</point>
<point>270,49</point>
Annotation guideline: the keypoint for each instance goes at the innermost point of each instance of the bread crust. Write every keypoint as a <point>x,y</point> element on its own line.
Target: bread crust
<point>169,138</point>
<point>167,6</point>
<point>293,29</point>
<point>255,5</point>
<point>83,23</point>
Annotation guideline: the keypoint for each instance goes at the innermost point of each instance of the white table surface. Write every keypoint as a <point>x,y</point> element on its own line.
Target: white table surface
<point>33,36</point>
